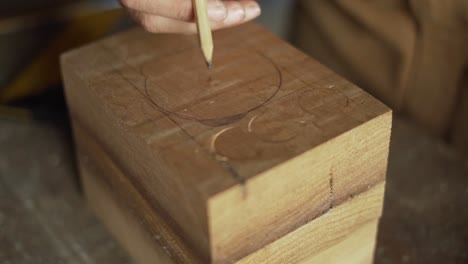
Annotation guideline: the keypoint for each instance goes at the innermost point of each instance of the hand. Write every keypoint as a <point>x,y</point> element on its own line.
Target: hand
<point>177,16</point>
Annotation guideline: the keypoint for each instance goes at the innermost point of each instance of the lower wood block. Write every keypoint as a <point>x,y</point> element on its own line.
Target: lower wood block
<point>343,234</point>
<point>357,247</point>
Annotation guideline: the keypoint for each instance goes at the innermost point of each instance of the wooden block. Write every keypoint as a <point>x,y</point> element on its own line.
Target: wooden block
<point>345,235</point>
<point>232,159</point>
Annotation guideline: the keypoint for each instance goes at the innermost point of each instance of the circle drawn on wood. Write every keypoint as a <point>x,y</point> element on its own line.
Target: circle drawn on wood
<point>235,144</point>
<point>279,122</point>
<point>240,81</point>
<point>322,102</point>
<point>275,131</point>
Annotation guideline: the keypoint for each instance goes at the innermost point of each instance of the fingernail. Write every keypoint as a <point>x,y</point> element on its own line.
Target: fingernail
<point>235,13</point>
<point>217,10</point>
<point>252,10</point>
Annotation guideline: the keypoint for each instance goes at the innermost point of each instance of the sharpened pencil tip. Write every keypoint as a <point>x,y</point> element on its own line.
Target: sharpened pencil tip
<point>208,63</point>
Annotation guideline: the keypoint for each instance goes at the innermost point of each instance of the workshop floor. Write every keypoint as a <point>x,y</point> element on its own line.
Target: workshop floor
<point>44,217</point>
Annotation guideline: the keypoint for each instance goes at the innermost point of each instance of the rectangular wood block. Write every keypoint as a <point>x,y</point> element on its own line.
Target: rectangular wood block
<point>345,235</point>
<point>266,149</point>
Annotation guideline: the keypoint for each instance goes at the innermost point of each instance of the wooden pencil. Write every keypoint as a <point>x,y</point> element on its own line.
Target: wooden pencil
<point>204,30</point>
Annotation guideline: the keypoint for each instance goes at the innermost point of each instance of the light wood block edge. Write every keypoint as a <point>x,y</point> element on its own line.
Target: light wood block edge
<point>338,228</point>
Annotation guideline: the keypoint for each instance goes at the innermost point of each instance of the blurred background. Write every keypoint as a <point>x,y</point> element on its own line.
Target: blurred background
<point>412,55</point>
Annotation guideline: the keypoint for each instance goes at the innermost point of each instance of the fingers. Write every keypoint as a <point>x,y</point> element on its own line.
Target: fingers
<point>176,9</point>
<point>238,12</point>
<point>159,24</point>
<point>232,13</point>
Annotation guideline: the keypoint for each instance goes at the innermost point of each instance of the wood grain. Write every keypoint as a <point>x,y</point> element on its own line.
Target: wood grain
<point>236,157</point>
<point>425,177</point>
<point>348,229</point>
<point>357,247</point>
<point>125,208</point>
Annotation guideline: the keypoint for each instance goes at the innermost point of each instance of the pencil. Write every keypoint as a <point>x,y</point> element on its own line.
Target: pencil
<point>204,30</point>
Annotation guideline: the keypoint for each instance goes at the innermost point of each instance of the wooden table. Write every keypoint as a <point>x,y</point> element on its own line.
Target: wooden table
<point>44,218</point>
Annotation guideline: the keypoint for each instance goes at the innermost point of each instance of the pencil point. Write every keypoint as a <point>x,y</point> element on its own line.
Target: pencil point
<point>208,63</point>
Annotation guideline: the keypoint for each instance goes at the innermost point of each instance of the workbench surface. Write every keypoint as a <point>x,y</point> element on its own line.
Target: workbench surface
<point>44,217</point>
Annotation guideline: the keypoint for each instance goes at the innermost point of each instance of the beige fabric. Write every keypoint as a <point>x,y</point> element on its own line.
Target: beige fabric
<point>413,55</point>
